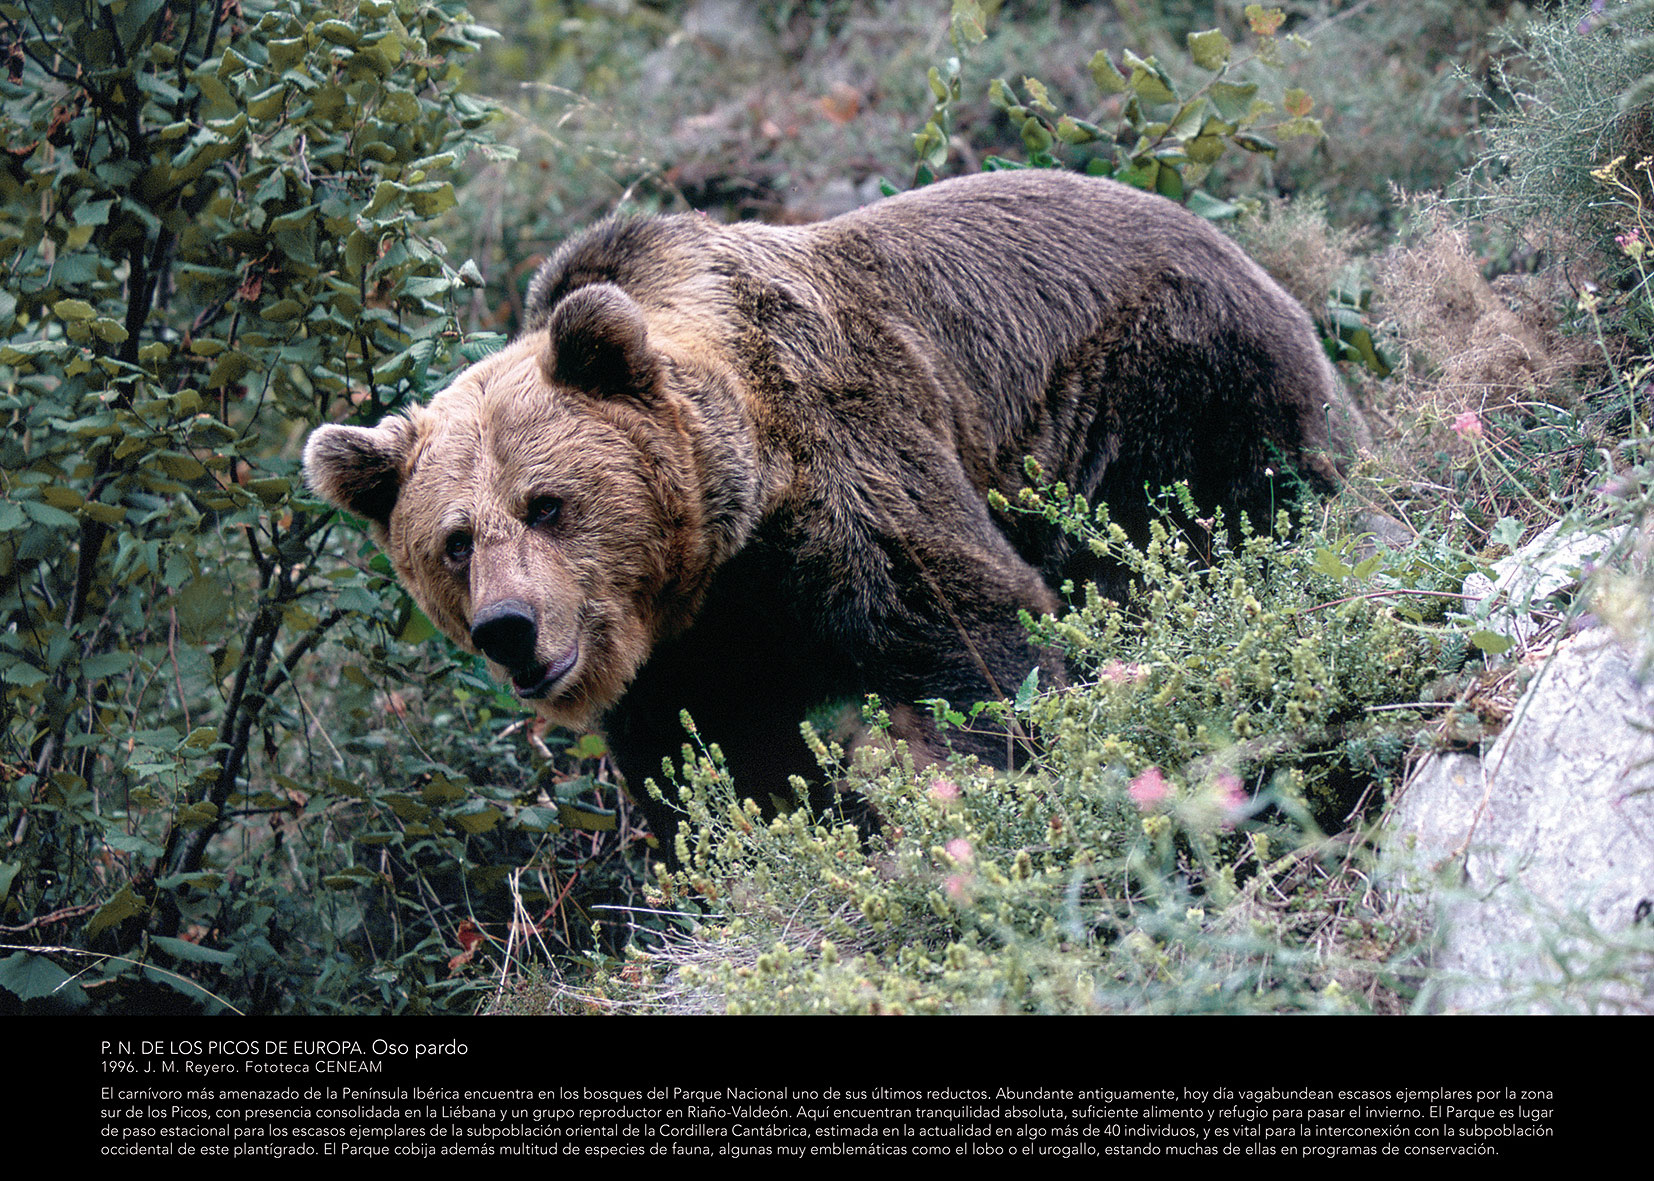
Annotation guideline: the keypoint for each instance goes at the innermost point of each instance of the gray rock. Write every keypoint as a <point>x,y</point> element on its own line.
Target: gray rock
<point>1538,858</point>
<point>1517,600</point>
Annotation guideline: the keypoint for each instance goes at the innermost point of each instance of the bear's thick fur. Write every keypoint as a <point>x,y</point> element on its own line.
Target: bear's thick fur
<point>741,470</point>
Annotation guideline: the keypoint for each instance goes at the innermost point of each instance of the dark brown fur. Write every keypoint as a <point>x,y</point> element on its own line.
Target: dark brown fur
<point>770,449</point>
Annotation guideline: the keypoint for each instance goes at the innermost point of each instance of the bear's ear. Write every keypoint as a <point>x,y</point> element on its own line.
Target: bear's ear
<point>598,343</point>
<point>359,469</point>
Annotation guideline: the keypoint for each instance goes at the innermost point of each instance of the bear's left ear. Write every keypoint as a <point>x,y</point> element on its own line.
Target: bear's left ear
<point>597,342</point>
<point>359,469</point>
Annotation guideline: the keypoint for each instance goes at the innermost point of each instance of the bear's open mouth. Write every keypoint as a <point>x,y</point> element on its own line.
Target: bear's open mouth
<point>541,679</point>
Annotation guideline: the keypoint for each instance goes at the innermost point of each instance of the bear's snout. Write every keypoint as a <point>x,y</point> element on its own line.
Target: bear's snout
<point>503,631</point>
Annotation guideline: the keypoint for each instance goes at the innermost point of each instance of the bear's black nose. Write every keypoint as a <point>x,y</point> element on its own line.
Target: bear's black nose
<point>504,632</point>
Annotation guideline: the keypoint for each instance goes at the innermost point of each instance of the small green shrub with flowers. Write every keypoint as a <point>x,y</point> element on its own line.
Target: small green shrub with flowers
<point>1248,664</point>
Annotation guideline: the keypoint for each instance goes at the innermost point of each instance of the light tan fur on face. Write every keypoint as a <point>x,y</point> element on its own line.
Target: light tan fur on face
<point>484,449</point>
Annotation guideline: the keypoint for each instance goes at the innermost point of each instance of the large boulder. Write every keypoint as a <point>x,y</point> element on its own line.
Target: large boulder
<point>1537,857</point>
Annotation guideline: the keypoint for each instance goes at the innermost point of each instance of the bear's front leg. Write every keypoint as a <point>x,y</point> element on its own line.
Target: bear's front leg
<point>939,618</point>
<point>747,674</point>
<point>962,641</point>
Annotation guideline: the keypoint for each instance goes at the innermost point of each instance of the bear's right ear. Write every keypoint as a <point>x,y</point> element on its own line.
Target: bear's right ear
<point>598,343</point>
<point>359,469</point>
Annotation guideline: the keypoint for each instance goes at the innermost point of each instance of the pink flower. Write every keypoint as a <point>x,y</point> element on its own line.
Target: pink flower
<point>944,789</point>
<point>1468,425</point>
<point>1149,788</point>
<point>1231,798</point>
<point>960,850</point>
<point>1118,672</point>
<point>957,887</point>
<point>1232,795</point>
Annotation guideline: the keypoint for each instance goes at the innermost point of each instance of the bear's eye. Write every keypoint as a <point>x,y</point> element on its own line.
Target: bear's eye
<point>543,511</point>
<point>458,546</point>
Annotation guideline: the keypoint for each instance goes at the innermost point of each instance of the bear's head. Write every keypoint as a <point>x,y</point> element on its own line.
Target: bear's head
<point>547,509</point>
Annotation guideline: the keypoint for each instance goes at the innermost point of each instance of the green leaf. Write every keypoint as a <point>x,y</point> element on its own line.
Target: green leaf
<point>479,819</point>
<point>1190,119</point>
<point>14,670</point>
<point>586,818</point>
<point>193,953</point>
<point>94,213</point>
<point>1108,79</point>
<point>538,818</point>
<point>201,606</point>
<point>399,107</point>
<point>29,977</point>
<point>47,515</point>
<point>349,878</point>
<point>1036,136</point>
<point>1205,149</point>
<point>73,310</point>
<point>589,746</point>
<point>1507,532</point>
<point>285,53</point>
<point>179,465</point>
<point>199,738</point>
<point>1296,127</point>
<point>1264,21</point>
<point>1148,81</point>
<point>339,32</point>
<point>1232,100</point>
<point>106,664</point>
<point>427,286</point>
<point>1328,563</point>
<point>1254,143</point>
<point>1350,328</point>
<point>1077,131</point>
<point>1209,49</point>
<point>967,25</point>
<point>1168,182</point>
<point>270,491</point>
<point>1491,642</point>
<point>1038,96</point>
<point>124,905</point>
<point>1141,174</point>
<point>196,815</point>
<point>230,368</point>
<point>1028,689</point>
<point>930,145</point>
<point>417,630</point>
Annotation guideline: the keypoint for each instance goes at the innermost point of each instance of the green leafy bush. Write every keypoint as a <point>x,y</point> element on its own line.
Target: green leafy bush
<point>1254,664</point>
<point>1168,136</point>
<point>214,229</point>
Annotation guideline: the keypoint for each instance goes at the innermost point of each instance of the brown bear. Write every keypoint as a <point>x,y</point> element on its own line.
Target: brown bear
<point>741,470</point>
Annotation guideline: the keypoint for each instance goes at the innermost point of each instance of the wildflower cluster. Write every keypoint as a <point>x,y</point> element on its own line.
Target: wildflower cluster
<point>1629,188</point>
<point>1251,667</point>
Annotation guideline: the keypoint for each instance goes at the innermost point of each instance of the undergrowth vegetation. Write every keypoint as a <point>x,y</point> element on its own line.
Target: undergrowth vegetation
<point>1186,839</point>
<point>241,771</point>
